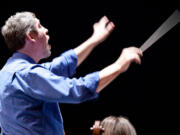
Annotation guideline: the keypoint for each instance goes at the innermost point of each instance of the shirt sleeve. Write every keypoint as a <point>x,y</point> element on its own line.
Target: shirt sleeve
<point>44,85</point>
<point>64,65</point>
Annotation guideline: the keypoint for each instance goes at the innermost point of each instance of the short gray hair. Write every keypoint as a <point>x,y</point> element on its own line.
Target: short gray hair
<point>16,28</point>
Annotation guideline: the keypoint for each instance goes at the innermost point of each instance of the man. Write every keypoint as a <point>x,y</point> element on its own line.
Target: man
<point>30,92</point>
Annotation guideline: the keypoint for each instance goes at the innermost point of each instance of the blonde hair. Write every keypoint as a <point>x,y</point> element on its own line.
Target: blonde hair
<point>16,28</point>
<point>117,126</point>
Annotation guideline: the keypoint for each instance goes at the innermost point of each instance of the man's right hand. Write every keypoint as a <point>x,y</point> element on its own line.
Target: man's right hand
<point>109,73</point>
<point>129,55</point>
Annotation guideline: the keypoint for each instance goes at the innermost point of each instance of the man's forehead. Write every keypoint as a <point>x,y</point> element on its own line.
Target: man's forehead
<point>37,20</point>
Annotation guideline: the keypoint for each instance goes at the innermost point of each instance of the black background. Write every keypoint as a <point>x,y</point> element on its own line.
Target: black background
<point>148,93</point>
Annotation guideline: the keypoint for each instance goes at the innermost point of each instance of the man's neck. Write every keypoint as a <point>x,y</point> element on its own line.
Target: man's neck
<point>30,54</point>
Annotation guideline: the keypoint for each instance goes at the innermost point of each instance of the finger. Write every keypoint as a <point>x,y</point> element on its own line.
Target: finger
<point>137,59</point>
<point>104,20</point>
<point>110,27</point>
<point>138,51</point>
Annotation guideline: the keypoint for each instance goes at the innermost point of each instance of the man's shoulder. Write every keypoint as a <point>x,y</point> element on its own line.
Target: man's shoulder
<point>18,65</point>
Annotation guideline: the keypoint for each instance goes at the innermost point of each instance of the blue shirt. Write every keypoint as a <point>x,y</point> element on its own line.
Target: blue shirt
<point>30,93</point>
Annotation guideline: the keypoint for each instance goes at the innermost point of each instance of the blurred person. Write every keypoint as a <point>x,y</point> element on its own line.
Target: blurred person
<point>113,125</point>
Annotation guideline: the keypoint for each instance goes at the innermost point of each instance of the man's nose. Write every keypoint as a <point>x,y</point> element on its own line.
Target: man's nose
<point>46,30</point>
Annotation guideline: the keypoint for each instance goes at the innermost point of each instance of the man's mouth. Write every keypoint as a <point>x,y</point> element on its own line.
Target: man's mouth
<point>49,46</point>
<point>47,37</point>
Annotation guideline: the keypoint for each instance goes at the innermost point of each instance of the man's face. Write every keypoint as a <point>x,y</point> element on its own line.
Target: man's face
<point>42,40</point>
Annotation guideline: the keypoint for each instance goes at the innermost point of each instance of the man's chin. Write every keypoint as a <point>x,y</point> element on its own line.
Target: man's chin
<point>47,54</point>
<point>49,46</point>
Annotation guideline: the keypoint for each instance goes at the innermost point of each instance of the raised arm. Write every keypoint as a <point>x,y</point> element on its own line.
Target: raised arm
<point>102,30</point>
<point>108,74</point>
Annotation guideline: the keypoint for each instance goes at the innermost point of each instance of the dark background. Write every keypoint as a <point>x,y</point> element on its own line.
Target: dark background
<point>147,94</point>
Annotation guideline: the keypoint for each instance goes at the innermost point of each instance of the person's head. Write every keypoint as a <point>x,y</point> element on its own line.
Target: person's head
<point>117,126</point>
<point>24,30</point>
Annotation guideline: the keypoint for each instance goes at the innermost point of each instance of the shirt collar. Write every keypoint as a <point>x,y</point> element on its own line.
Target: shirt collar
<point>23,56</point>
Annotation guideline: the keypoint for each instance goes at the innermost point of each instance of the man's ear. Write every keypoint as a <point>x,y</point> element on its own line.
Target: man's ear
<point>31,36</point>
